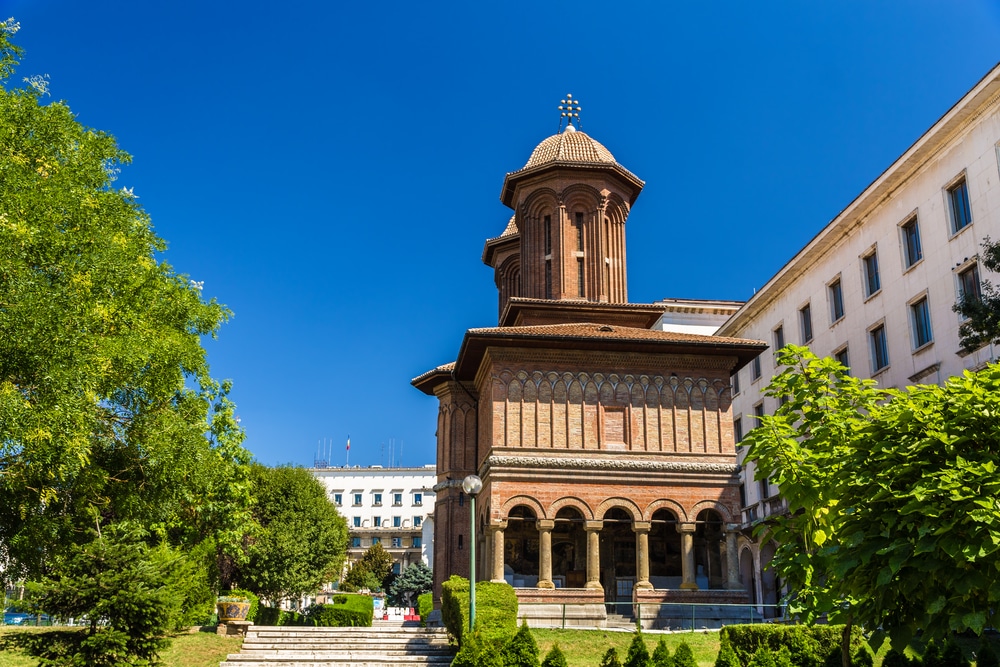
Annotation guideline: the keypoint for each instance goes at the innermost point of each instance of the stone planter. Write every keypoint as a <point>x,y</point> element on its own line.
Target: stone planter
<point>232,611</point>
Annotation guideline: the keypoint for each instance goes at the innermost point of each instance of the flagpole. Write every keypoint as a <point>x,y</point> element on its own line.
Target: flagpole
<point>347,461</point>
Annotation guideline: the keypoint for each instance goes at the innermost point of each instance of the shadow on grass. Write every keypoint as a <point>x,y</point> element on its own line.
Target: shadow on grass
<point>48,645</point>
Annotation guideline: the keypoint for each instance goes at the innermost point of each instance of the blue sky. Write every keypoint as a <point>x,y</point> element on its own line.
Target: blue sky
<point>331,170</point>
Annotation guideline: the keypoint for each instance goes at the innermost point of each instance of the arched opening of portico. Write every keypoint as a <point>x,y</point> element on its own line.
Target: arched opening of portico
<point>709,547</point>
<point>617,556</point>
<point>569,549</point>
<point>665,555</point>
<point>747,577</point>
<point>521,548</point>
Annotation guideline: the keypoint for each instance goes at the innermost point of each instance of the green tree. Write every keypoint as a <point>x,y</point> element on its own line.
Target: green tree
<point>108,413</point>
<point>894,497</point>
<point>980,308</point>
<point>727,656</point>
<point>358,578</point>
<point>610,658</point>
<point>555,657</point>
<point>684,656</point>
<point>521,650</point>
<point>410,584</point>
<point>638,654</point>
<point>378,562</point>
<point>301,540</point>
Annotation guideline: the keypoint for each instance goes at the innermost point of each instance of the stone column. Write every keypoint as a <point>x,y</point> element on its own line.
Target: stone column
<point>687,556</point>
<point>545,527</point>
<point>593,529</point>
<point>641,529</point>
<point>732,558</point>
<point>497,550</point>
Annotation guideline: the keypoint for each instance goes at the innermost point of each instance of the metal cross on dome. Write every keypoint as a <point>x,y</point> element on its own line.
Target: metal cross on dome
<point>569,109</point>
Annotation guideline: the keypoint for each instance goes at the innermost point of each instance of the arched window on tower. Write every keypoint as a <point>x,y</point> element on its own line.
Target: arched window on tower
<point>548,256</point>
<point>580,283</point>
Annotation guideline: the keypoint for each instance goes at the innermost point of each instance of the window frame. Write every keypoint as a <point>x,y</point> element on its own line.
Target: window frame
<point>845,351</point>
<point>878,330</point>
<point>376,499</point>
<point>338,499</point>
<point>397,499</point>
<point>835,295</point>
<point>418,522</point>
<point>919,321</point>
<point>961,183</point>
<point>869,262</point>
<point>911,221</point>
<point>418,498</point>
<point>738,429</point>
<point>972,267</point>
<point>755,371</point>
<point>778,333</point>
<point>805,323</point>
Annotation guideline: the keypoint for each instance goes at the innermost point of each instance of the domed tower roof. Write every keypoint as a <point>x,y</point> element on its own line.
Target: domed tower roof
<point>570,145</point>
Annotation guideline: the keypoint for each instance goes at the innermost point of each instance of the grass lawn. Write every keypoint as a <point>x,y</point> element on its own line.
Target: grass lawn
<point>585,648</point>
<point>199,649</point>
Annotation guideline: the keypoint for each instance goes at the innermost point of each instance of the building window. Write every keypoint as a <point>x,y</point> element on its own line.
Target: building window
<point>397,542</point>
<point>911,242</point>
<point>755,368</point>
<point>418,499</point>
<point>806,322</point>
<point>842,357</point>
<point>356,542</point>
<point>357,499</point>
<point>397,521</point>
<point>418,521</point>
<point>764,489</point>
<point>958,202</point>
<point>735,377</point>
<point>357,522</point>
<point>377,499</point>
<point>738,429</point>
<point>397,499</point>
<point>579,277</point>
<point>395,568</point>
<point>338,499</point>
<point>869,266</point>
<point>968,284</point>
<point>417,542</point>
<point>879,348</point>
<point>836,300</point>
<point>758,412</point>
<point>920,320</point>
<point>377,522</point>
<point>579,231</point>
<point>779,338</point>
<point>376,540</point>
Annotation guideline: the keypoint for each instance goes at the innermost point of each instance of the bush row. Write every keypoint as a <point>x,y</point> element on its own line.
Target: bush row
<point>805,646</point>
<point>346,611</point>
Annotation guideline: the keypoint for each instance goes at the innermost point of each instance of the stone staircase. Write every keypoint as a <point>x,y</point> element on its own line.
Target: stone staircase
<point>287,646</point>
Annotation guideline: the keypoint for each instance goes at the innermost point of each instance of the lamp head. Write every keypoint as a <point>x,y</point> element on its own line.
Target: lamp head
<point>472,485</point>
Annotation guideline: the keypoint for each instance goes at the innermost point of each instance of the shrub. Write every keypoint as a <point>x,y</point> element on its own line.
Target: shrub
<point>496,610</point>
<point>809,646</point>
<point>555,657</point>
<point>763,658</point>
<point>661,655</point>
<point>986,656</point>
<point>683,656</point>
<point>249,597</point>
<point>610,658</point>
<point>477,652</point>
<point>638,654</point>
<point>425,605</point>
<point>952,655</point>
<point>271,616</point>
<point>726,658</point>
<point>339,599</point>
<point>932,655</point>
<point>895,658</point>
<point>521,650</point>
<point>863,657</point>
<point>355,611</point>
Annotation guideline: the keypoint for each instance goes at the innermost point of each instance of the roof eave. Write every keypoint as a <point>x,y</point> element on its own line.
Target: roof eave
<point>510,180</point>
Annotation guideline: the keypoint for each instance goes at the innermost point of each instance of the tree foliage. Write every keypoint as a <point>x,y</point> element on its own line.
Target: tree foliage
<point>301,540</point>
<point>981,310</point>
<point>108,413</point>
<point>894,497</point>
<point>638,653</point>
<point>410,584</point>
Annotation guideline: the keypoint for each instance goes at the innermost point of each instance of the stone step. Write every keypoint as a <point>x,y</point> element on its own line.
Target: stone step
<point>382,650</point>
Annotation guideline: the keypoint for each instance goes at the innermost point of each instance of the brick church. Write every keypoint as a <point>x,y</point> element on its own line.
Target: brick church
<point>605,446</point>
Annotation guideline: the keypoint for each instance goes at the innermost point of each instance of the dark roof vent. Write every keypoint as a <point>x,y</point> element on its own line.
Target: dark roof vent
<point>605,328</point>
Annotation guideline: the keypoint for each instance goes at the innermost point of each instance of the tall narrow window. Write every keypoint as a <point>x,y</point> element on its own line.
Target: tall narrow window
<point>548,279</point>
<point>958,201</point>
<point>758,412</point>
<point>806,323</point>
<point>548,235</point>
<point>579,232</point>
<point>736,383</point>
<point>869,264</point>
<point>755,368</point>
<point>969,289</point>
<point>879,348</point>
<point>911,242</point>
<point>579,276</point>
<point>836,300</point>
<point>842,357</point>
<point>920,321</point>
<point>779,338</point>
<point>548,256</point>
<point>738,429</point>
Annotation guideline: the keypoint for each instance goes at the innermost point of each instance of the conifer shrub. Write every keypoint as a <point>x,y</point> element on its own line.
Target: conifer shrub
<point>932,655</point>
<point>496,610</point>
<point>477,652</point>
<point>726,658</point>
<point>809,646</point>
<point>764,657</point>
<point>661,656</point>
<point>952,655</point>
<point>684,656</point>
<point>638,654</point>
<point>555,657</point>
<point>610,658</point>
<point>521,650</point>
<point>425,605</point>
<point>896,658</point>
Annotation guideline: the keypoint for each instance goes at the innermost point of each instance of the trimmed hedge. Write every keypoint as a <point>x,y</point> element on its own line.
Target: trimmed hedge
<point>808,646</point>
<point>425,605</point>
<point>279,617</point>
<point>354,611</point>
<point>496,610</point>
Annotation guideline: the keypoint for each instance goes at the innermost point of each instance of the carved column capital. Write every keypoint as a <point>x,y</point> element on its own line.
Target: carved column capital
<point>641,526</point>
<point>593,526</point>
<point>686,527</point>
<point>545,524</point>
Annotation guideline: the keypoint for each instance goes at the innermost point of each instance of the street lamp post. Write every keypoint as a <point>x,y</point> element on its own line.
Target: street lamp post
<point>472,485</point>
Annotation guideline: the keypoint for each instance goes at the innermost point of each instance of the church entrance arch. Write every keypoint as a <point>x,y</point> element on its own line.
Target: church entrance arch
<point>665,555</point>
<point>569,549</point>
<point>520,559</point>
<point>709,547</point>
<point>617,556</point>
<point>747,577</point>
